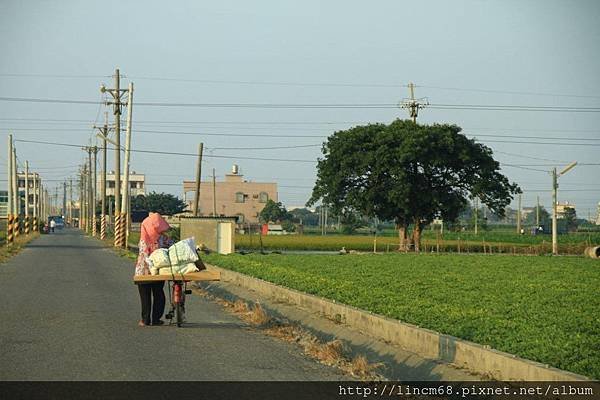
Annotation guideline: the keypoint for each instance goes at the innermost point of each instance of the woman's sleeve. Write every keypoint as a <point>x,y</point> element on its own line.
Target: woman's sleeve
<point>142,265</point>
<point>165,242</point>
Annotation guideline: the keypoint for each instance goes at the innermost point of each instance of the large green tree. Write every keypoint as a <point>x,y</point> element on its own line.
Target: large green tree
<point>274,212</point>
<point>163,203</point>
<point>570,217</point>
<point>408,173</point>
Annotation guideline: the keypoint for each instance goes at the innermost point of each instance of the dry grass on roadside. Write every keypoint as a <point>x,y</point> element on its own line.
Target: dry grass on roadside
<point>360,366</point>
<point>7,252</point>
<point>330,353</point>
<point>333,353</point>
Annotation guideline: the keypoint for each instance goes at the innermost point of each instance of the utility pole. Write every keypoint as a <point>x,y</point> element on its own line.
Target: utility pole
<point>116,94</point>
<point>104,136</point>
<point>64,205</point>
<point>89,205</point>
<point>321,218</point>
<point>519,216</point>
<point>198,178</point>
<point>126,189</point>
<point>81,207</point>
<point>537,213</point>
<point>84,193</point>
<point>476,213</point>
<point>70,202</point>
<point>35,202</point>
<point>413,105</point>
<point>56,210</point>
<point>27,197</point>
<point>214,182</point>
<point>93,208</point>
<point>9,208</point>
<point>103,186</point>
<point>554,210</point>
<point>555,177</point>
<point>15,184</point>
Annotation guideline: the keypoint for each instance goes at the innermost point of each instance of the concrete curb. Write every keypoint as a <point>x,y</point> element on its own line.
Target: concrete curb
<point>426,343</point>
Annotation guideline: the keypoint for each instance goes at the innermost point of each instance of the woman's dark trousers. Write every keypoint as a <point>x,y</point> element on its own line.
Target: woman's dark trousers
<point>155,309</point>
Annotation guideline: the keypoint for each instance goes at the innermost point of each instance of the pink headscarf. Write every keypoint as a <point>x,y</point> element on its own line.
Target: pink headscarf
<point>152,227</point>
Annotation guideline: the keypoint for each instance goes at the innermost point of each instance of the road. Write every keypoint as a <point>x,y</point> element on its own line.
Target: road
<point>70,311</point>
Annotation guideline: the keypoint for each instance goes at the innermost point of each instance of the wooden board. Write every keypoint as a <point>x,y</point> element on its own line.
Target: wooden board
<point>192,276</point>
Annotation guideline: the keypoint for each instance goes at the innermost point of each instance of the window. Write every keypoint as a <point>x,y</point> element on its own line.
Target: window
<point>239,197</point>
<point>111,184</point>
<point>240,218</point>
<point>263,197</point>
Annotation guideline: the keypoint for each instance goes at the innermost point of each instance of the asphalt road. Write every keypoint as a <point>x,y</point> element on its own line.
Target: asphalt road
<point>69,311</point>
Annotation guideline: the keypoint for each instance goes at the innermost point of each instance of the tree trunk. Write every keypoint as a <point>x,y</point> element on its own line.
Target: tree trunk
<point>417,235</point>
<point>402,237</point>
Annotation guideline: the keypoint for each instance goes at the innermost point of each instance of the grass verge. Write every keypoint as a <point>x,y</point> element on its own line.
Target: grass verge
<point>540,308</point>
<point>7,252</point>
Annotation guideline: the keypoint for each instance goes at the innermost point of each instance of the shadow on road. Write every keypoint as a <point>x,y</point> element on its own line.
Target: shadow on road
<point>63,246</point>
<point>210,325</point>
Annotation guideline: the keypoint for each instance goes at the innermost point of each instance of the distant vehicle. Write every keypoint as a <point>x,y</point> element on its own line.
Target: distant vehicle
<point>58,220</point>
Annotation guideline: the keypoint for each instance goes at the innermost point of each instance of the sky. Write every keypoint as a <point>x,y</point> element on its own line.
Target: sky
<point>526,53</point>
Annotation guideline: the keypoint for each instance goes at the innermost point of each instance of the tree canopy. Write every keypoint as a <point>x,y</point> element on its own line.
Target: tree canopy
<point>163,203</point>
<point>408,173</point>
<point>274,212</point>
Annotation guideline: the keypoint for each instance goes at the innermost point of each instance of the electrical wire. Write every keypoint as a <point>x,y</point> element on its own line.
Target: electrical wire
<point>172,153</point>
<point>301,84</point>
<point>488,107</point>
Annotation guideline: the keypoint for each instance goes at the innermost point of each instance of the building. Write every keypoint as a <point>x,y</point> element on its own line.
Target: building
<point>3,204</point>
<point>137,183</point>
<point>562,207</point>
<point>21,190</point>
<point>526,211</point>
<point>234,197</point>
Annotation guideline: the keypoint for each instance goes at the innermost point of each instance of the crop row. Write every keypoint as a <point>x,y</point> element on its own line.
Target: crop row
<point>540,308</point>
<point>388,244</point>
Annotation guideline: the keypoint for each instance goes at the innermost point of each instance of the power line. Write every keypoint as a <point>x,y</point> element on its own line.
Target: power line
<point>207,105</point>
<point>544,143</point>
<point>54,76</point>
<point>162,122</point>
<point>264,148</point>
<point>509,92</point>
<point>521,167</point>
<point>228,134</point>
<point>533,137</point>
<point>291,83</point>
<point>487,107</point>
<point>529,157</point>
<point>172,153</point>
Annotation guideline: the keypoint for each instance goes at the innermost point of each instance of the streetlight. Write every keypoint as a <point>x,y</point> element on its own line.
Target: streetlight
<point>555,177</point>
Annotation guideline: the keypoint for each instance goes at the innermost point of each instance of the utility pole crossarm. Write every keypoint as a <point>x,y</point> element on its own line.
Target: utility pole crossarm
<point>414,105</point>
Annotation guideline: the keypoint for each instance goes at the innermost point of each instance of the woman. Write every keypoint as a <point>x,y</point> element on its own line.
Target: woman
<point>151,238</point>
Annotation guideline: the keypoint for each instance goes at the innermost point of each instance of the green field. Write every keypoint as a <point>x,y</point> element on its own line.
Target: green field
<point>474,244</point>
<point>540,308</point>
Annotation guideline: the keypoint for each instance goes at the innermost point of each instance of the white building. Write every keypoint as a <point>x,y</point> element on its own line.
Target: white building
<point>137,183</point>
